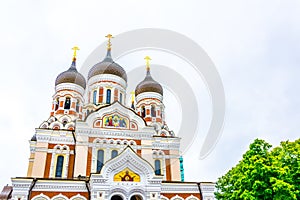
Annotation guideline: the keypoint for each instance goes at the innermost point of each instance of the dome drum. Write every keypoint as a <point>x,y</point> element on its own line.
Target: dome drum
<point>106,78</point>
<point>148,95</point>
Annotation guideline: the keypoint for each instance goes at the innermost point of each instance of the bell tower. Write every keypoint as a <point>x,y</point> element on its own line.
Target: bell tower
<point>69,90</point>
<point>149,98</point>
<point>107,82</point>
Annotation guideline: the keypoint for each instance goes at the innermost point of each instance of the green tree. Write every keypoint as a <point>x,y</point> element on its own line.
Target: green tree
<point>264,173</point>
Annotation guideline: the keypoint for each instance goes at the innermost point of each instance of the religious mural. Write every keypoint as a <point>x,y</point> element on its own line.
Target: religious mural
<point>127,175</point>
<point>115,120</point>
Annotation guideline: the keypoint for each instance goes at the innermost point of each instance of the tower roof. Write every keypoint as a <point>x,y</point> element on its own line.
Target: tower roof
<point>108,66</point>
<point>148,84</point>
<point>71,75</point>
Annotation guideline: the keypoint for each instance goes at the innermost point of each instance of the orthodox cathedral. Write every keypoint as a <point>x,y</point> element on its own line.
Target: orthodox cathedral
<point>94,146</point>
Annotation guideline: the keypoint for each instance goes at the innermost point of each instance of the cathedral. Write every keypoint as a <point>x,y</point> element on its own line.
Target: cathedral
<point>95,145</point>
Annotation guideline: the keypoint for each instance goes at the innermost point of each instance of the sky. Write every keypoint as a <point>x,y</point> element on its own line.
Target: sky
<point>253,44</point>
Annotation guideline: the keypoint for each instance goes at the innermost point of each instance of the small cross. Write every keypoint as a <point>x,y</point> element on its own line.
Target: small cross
<point>109,36</point>
<point>75,49</point>
<point>147,58</point>
<point>132,96</point>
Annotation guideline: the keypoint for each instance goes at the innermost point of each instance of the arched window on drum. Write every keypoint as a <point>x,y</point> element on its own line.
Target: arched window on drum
<point>108,96</point>
<point>153,111</point>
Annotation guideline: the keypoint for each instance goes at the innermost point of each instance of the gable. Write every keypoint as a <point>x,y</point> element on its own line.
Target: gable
<point>115,116</point>
<point>128,163</point>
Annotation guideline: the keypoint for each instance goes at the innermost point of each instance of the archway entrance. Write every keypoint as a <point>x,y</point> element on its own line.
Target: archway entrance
<point>136,197</point>
<point>116,197</point>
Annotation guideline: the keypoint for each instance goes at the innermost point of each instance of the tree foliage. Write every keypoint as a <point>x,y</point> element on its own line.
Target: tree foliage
<point>264,173</point>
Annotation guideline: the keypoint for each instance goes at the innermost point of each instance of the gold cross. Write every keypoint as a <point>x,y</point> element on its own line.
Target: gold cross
<point>109,36</point>
<point>132,96</point>
<point>147,58</point>
<point>75,49</point>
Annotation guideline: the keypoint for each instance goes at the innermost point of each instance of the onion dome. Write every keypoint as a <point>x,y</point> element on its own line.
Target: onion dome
<point>108,66</point>
<point>71,75</point>
<point>148,84</point>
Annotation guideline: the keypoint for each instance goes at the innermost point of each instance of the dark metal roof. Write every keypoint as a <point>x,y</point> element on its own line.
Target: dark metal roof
<point>33,138</point>
<point>107,66</point>
<point>148,85</point>
<point>71,76</point>
<point>6,192</point>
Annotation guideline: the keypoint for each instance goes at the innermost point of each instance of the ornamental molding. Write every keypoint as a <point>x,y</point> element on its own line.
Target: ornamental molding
<point>18,185</point>
<point>149,95</point>
<point>106,85</point>
<point>60,188</point>
<point>107,77</point>
<point>69,86</point>
<point>95,132</point>
<point>54,136</point>
<point>207,187</point>
<point>55,139</point>
<point>62,94</point>
<point>179,188</point>
<point>173,146</point>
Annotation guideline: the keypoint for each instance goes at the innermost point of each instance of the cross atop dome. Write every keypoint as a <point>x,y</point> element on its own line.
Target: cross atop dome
<point>109,36</point>
<point>147,58</point>
<point>75,49</point>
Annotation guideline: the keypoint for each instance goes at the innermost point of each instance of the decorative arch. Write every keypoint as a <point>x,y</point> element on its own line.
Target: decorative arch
<point>57,147</point>
<point>128,159</point>
<point>41,197</point>
<point>137,191</point>
<point>118,192</point>
<point>66,148</point>
<point>139,195</point>
<point>56,125</point>
<point>78,197</point>
<point>177,198</point>
<point>162,197</point>
<point>125,142</point>
<point>164,133</point>
<point>192,197</point>
<point>60,197</point>
<point>111,141</point>
<point>97,140</point>
<point>44,125</point>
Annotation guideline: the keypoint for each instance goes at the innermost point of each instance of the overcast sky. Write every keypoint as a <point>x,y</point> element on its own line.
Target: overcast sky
<point>254,45</point>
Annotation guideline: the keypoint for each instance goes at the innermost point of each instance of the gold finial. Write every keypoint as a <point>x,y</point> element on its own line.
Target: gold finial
<point>75,49</point>
<point>147,58</point>
<point>132,96</point>
<point>109,36</point>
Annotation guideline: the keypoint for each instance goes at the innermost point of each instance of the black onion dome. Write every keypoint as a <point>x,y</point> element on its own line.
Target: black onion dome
<point>71,76</point>
<point>107,66</point>
<point>148,85</point>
